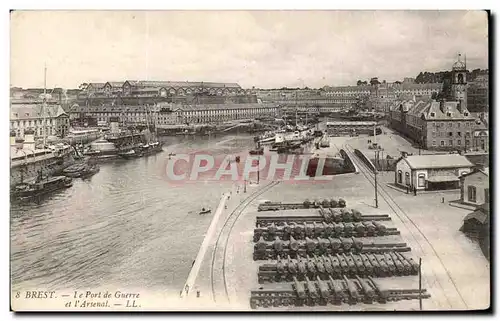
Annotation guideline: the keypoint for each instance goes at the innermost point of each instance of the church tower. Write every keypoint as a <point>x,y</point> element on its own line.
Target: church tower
<point>459,82</point>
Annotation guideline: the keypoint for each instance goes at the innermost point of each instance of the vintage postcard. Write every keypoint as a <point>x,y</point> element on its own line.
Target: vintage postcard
<point>249,161</point>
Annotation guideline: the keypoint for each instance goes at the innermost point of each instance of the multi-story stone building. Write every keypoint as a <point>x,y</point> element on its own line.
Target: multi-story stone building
<point>171,114</point>
<point>307,100</point>
<point>150,92</point>
<point>445,125</point>
<point>381,96</point>
<point>35,117</point>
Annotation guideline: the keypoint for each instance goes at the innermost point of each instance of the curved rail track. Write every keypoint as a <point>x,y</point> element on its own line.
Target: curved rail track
<point>231,219</point>
<point>406,220</point>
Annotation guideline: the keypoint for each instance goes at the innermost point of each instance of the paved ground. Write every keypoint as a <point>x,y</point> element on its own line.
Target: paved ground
<point>429,226</point>
<point>391,142</point>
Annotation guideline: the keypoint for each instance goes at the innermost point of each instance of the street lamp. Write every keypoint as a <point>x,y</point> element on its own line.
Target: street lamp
<point>376,185</point>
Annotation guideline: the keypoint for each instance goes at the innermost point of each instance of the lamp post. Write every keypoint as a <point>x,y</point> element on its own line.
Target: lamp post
<point>376,185</point>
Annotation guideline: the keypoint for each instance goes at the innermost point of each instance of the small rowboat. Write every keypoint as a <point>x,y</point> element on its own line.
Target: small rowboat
<point>205,211</point>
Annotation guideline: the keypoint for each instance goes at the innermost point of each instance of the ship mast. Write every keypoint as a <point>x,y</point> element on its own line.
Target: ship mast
<point>44,102</point>
<point>295,108</point>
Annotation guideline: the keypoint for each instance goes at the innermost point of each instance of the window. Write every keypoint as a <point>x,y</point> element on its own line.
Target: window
<point>466,114</point>
<point>400,177</point>
<point>448,114</point>
<point>433,114</point>
<point>450,142</point>
<point>433,143</point>
<point>450,124</point>
<point>450,134</point>
<point>459,134</point>
<point>433,134</point>
<point>407,178</point>
<point>471,193</point>
<point>459,142</point>
<point>486,195</point>
<point>458,125</point>
<point>442,143</point>
<point>421,180</point>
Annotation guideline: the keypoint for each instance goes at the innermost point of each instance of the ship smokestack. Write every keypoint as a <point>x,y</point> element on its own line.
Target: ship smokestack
<point>19,143</point>
<point>29,139</point>
<point>12,138</point>
<point>114,125</point>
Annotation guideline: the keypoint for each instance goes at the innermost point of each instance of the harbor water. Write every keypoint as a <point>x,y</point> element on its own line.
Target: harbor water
<point>127,226</point>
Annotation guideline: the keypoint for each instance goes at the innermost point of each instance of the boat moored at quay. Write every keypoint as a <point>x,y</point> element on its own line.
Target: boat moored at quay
<point>40,186</point>
<point>26,160</point>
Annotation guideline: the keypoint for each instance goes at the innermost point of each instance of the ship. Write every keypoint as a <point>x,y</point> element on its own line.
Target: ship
<point>332,164</point>
<point>40,186</point>
<point>257,151</point>
<point>26,160</point>
<point>82,169</point>
<point>114,143</point>
<point>82,136</point>
<point>130,154</point>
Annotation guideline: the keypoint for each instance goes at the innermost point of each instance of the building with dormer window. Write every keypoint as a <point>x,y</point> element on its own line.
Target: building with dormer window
<point>442,125</point>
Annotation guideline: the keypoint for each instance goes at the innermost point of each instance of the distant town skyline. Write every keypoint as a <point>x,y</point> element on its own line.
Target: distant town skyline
<point>265,49</point>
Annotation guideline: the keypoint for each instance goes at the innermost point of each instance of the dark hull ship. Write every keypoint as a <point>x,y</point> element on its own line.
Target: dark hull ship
<point>41,186</point>
<point>329,165</point>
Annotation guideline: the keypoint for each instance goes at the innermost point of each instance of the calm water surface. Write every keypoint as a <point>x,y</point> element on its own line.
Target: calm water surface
<point>124,227</point>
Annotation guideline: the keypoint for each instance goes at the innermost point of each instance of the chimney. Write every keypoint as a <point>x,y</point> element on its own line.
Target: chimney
<point>19,143</point>
<point>441,106</point>
<point>460,106</point>
<point>12,138</point>
<point>29,139</point>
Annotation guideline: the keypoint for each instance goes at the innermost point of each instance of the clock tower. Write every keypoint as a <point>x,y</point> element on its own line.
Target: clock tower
<point>459,82</point>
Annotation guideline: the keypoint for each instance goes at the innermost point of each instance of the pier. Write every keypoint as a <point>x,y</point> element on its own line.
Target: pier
<point>203,248</point>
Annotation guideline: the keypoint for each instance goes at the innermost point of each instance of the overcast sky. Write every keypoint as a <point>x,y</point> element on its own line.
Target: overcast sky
<point>254,48</point>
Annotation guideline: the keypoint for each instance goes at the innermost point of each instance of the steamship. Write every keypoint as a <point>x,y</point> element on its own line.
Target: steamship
<point>27,161</point>
<point>116,142</point>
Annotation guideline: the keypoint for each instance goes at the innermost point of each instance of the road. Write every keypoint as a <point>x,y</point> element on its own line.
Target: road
<point>436,276</point>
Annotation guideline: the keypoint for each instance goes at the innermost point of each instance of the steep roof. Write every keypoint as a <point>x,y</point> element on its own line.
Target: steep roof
<point>34,111</point>
<point>97,85</point>
<point>116,84</point>
<point>485,171</point>
<point>437,161</point>
<point>427,107</point>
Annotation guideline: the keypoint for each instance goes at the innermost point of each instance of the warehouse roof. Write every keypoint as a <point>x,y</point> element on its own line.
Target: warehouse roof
<point>437,161</point>
<point>148,83</point>
<point>347,123</point>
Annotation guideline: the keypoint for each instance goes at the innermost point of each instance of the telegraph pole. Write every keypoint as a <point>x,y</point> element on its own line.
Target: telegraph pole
<point>245,186</point>
<point>376,185</point>
<point>258,169</point>
<point>420,283</point>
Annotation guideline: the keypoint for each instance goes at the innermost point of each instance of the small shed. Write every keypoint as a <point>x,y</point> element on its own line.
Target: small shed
<point>431,172</point>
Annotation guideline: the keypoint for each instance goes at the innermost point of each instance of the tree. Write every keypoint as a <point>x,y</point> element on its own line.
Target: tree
<point>374,81</point>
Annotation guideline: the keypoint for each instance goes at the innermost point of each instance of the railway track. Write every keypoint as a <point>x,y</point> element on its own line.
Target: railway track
<point>229,224</point>
<point>411,226</point>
